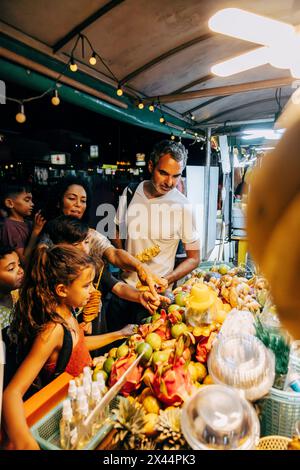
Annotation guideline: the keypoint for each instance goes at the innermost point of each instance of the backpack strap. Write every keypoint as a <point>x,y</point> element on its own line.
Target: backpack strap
<point>65,353</point>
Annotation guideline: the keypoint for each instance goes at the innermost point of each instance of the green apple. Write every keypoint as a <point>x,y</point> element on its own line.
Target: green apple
<point>178,329</point>
<point>223,269</point>
<point>122,350</point>
<point>160,356</point>
<point>155,317</point>
<point>154,340</point>
<point>146,349</point>
<point>180,298</point>
<point>108,364</point>
<point>173,307</point>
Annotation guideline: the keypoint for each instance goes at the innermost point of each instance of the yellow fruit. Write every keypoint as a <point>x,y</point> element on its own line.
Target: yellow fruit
<point>193,371</point>
<point>151,404</point>
<point>131,399</point>
<point>208,380</point>
<point>227,307</point>
<point>151,420</point>
<point>220,316</point>
<point>201,371</point>
<point>113,353</point>
<point>148,377</point>
<point>145,393</point>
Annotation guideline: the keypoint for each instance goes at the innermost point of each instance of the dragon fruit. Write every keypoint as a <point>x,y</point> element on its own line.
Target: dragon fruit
<point>134,379</point>
<point>160,326</point>
<point>204,346</point>
<point>173,383</point>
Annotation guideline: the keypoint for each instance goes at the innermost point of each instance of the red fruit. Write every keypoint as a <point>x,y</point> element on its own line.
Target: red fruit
<point>134,379</point>
<point>171,386</point>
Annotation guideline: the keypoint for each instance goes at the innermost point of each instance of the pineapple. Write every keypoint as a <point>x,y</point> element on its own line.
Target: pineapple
<point>169,427</point>
<point>129,420</point>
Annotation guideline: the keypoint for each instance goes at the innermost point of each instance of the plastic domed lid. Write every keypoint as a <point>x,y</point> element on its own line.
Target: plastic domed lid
<point>218,418</point>
<point>243,362</point>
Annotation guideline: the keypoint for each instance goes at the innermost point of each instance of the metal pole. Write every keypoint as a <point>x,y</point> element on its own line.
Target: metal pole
<point>206,191</point>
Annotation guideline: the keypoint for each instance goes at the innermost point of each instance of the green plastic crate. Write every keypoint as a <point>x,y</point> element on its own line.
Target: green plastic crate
<point>46,430</point>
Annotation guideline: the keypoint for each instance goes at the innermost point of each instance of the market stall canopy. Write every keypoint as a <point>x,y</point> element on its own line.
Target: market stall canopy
<point>163,50</point>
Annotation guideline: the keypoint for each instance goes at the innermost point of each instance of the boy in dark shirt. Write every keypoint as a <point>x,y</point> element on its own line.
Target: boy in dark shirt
<point>16,230</point>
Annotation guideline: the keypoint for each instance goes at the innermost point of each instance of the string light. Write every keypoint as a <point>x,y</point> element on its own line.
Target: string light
<point>184,131</point>
<point>92,59</point>
<point>192,117</point>
<point>20,117</point>
<point>119,91</point>
<point>141,105</point>
<point>73,66</point>
<point>55,98</point>
<point>172,137</point>
<point>151,107</point>
<point>162,120</point>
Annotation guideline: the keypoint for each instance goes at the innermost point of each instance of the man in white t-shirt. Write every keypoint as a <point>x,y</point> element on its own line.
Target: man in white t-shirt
<point>158,217</point>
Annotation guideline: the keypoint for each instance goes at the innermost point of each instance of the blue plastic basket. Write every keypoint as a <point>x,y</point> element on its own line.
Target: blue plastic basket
<point>46,430</point>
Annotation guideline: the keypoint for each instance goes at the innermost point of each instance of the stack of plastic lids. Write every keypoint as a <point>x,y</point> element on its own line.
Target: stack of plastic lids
<point>243,362</point>
<point>218,418</point>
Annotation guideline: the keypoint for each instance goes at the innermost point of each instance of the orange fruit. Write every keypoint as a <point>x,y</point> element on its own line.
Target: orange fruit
<point>208,380</point>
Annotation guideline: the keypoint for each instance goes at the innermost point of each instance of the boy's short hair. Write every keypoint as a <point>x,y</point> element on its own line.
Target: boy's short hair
<point>6,250</point>
<point>66,229</point>
<point>12,190</point>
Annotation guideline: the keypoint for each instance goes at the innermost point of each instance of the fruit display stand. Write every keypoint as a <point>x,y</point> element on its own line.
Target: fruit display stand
<point>175,351</point>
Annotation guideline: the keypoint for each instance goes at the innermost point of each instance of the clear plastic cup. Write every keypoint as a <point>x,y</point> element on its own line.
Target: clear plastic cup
<point>243,362</point>
<point>218,418</point>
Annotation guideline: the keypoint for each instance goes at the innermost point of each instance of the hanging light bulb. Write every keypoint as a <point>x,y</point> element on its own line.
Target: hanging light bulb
<point>162,120</point>
<point>172,137</point>
<point>55,98</point>
<point>73,66</point>
<point>141,105</point>
<point>151,107</point>
<point>20,117</point>
<point>92,59</point>
<point>119,90</point>
<point>184,131</point>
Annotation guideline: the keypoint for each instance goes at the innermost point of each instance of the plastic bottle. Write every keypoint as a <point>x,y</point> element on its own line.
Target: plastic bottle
<point>72,394</point>
<point>95,398</point>
<point>87,383</point>
<point>101,384</point>
<point>67,427</point>
<point>83,431</point>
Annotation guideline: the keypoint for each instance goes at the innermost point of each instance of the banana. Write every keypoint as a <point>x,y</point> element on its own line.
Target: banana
<point>272,187</point>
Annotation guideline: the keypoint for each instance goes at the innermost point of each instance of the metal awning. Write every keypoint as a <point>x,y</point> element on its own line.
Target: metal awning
<point>158,50</point>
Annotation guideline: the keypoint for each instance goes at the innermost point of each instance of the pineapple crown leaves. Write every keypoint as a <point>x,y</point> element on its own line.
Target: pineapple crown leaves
<point>129,418</point>
<point>277,344</point>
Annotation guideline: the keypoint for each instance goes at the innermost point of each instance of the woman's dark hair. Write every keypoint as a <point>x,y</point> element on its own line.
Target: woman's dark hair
<point>38,300</point>
<point>53,207</point>
<point>66,229</point>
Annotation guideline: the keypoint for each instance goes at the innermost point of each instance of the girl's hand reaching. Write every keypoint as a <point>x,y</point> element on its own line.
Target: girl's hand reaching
<point>39,223</point>
<point>128,330</point>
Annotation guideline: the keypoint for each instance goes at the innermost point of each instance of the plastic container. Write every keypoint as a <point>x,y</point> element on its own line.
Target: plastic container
<point>218,418</point>
<point>46,430</point>
<point>243,362</point>
<point>279,413</point>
